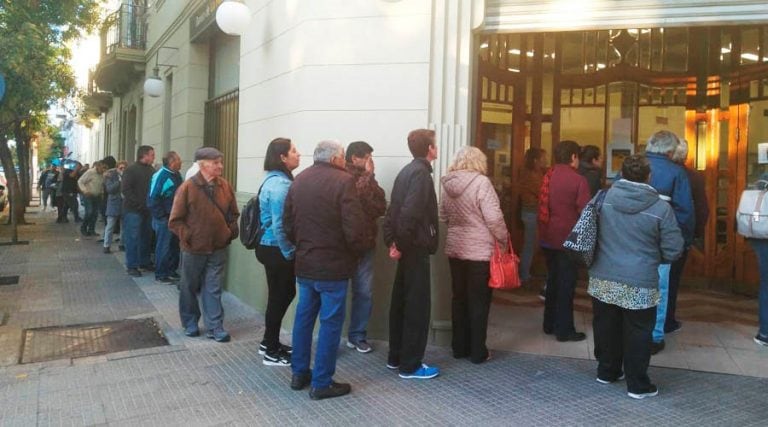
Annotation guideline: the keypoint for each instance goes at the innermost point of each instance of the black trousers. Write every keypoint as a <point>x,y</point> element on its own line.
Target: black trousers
<point>623,337</point>
<point>470,305</point>
<point>561,284</point>
<point>409,311</point>
<point>281,283</point>
<point>675,272</point>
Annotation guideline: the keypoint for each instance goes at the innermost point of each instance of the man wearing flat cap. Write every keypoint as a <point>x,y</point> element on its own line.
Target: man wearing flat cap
<point>204,217</point>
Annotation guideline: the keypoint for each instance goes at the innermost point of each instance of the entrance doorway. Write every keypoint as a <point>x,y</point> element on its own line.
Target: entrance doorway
<point>614,89</point>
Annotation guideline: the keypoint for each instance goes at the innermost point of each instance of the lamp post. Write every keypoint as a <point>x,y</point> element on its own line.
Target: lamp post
<point>233,17</point>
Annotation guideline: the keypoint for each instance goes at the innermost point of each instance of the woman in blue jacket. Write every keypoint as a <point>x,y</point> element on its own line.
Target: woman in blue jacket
<point>274,250</point>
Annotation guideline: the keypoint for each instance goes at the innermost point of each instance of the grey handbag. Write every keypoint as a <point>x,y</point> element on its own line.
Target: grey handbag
<point>582,240</point>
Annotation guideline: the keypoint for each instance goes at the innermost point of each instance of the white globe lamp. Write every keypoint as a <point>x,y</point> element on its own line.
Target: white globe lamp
<point>233,17</point>
<point>154,87</point>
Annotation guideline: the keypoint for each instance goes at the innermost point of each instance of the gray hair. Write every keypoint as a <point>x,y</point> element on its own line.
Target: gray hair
<point>326,150</point>
<point>681,152</point>
<point>662,142</point>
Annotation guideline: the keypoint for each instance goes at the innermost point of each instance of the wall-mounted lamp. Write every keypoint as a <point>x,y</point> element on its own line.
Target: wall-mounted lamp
<point>233,17</point>
<point>154,86</point>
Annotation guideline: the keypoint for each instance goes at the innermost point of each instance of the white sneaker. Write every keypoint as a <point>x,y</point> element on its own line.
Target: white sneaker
<point>652,392</point>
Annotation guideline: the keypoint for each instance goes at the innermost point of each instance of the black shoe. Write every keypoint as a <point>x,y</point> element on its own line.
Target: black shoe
<point>285,348</point>
<point>333,390</point>
<point>148,267</point>
<point>574,336</point>
<point>548,331</point>
<point>673,328</point>
<point>100,241</point>
<point>134,272</point>
<point>166,280</point>
<point>656,347</point>
<point>107,250</point>
<point>298,382</point>
<point>174,276</point>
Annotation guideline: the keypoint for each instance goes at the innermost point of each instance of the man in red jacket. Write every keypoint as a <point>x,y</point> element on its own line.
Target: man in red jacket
<point>324,219</point>
<point>564,193</point>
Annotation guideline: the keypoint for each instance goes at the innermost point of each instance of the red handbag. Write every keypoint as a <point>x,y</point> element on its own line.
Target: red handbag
<point>504,273</point>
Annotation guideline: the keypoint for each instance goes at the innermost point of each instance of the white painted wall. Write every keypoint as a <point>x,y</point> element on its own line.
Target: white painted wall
<point>169,27</point>
<point>332,69</point>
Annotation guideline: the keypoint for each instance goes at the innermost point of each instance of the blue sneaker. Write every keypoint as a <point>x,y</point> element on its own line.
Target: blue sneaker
<point>423,373</point>
<point>218,335</point>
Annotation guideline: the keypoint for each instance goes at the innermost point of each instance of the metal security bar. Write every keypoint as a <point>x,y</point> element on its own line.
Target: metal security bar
<point>221,121</point>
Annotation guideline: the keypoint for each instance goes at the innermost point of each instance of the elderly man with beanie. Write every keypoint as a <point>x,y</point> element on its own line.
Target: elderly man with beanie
<point>323,217</point>
<point>671,182</point>
<point>204,217</point>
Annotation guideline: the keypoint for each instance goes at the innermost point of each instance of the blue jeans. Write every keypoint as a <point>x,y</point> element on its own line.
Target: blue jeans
<point>362,282</point>
<point>761,250</point>
<point>166,249</point>
<point>137,238</point>
<point>326,298</point>
<point>661,309</point>
<point>202,275</point>
<point>109,230</point>
<point>530,244</point>
<point>91,204</point>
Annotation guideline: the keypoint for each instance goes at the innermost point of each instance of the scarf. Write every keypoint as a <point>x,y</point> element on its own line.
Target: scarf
<point>543,215</point>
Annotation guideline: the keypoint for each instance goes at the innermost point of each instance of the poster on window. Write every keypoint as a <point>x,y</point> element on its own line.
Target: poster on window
<point>617,152</point>
<point>762,153</point>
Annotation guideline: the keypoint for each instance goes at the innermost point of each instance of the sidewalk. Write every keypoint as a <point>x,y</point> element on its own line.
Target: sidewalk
<point>66,280</point>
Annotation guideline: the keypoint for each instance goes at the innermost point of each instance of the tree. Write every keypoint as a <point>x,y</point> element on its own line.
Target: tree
<point>33,58</point>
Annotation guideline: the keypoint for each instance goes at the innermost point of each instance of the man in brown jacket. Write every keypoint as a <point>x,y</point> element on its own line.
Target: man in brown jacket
<point>324,219</point>
<point>204,217</point>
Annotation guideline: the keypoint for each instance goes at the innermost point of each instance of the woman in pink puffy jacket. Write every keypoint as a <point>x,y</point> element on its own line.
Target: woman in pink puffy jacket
<point>470,207</point>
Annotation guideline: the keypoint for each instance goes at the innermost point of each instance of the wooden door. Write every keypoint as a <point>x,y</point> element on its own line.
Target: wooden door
<point>717,149</point>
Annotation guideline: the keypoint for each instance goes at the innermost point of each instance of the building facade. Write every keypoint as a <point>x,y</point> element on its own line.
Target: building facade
<point>501,74</point>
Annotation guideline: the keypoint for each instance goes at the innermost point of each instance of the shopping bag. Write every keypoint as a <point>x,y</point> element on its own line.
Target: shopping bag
<point>504,268</point>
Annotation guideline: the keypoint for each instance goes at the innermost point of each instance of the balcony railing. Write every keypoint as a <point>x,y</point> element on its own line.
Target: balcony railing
<point>203,20</point>
<point>124,28</point>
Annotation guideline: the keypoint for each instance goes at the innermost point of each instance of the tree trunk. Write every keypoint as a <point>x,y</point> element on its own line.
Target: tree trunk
<point>22,152</point>
<point>14,190</point>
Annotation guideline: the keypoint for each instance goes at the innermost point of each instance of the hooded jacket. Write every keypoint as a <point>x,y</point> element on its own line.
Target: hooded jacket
<point>636,232</point>
<point>470,207</point>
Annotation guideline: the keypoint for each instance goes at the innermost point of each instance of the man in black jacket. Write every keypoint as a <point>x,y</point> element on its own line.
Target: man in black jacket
<point>410,231</point>
<point>137,228</point>
<point>323,217</point>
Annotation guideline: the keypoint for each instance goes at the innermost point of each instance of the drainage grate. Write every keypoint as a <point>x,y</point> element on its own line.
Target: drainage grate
<point>64,342</point>
<point>9,280</point>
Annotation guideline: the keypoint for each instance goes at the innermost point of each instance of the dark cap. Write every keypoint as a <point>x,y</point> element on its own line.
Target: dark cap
<point>208,153</point>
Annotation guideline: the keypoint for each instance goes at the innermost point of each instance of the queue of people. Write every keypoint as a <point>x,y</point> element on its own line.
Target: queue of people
<point>318,230</point>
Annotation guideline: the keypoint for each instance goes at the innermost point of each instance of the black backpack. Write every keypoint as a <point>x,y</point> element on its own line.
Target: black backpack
<point>251,230</point>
